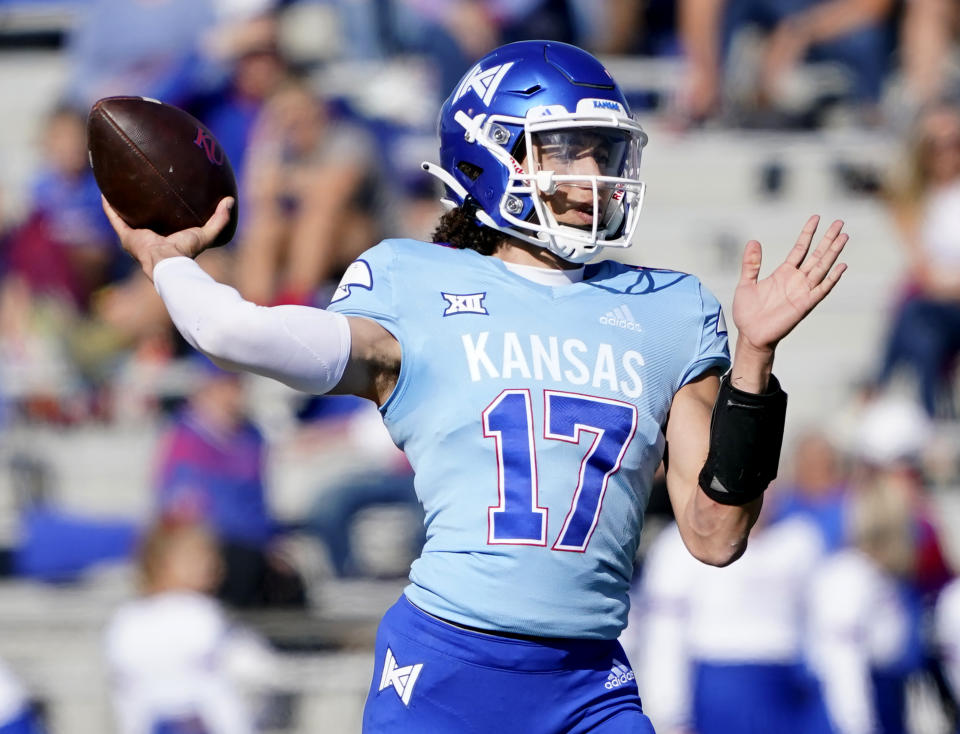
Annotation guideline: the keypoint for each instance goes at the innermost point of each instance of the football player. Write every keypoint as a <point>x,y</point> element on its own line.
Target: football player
<point>534,390</point>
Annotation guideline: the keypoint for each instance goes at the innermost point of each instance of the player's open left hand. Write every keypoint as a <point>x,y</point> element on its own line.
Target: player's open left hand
<point>148,248</point>
<point>767,310</point>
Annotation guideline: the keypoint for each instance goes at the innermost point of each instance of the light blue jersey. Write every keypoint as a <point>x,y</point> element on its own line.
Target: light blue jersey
<point>533,417</point>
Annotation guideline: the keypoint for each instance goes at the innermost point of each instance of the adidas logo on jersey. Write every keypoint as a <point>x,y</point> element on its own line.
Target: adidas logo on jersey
<point>402,678</point>
<point>621,318</point>
<point>620,675</point>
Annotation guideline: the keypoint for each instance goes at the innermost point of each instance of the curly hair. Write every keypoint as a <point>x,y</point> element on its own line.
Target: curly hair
<point>459,228</point>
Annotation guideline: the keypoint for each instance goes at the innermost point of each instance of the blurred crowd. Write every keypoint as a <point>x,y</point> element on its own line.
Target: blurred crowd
<point>325,109</point>
<point>326,137</point>
<point>841,616</point>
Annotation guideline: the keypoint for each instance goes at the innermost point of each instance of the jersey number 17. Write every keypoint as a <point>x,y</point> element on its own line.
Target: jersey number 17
<point>518,519</point>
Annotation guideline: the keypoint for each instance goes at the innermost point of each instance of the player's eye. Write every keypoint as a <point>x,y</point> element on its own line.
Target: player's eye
<point>557,155</point>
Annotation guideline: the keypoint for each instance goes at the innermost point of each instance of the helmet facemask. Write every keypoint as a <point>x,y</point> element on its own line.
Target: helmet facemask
<point>581,174</point>
<point>594,149</point>
<point>579,181</point>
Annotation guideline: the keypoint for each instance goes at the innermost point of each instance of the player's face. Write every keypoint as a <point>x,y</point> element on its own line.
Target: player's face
<point>580,152</point>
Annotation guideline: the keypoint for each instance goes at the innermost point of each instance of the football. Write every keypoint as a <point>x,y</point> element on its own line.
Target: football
<point>159,167</point>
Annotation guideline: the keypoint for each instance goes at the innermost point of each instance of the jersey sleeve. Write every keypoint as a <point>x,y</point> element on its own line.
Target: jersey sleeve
<point>712,347</point>
<point>367,288</point>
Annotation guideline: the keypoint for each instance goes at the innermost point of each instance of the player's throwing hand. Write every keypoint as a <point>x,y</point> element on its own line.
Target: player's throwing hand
<point>148,248</point>
<point>767,310</point>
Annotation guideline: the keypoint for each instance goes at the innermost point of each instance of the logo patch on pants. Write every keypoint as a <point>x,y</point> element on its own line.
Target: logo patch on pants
<point>402,678</point>
<point>620,675</point>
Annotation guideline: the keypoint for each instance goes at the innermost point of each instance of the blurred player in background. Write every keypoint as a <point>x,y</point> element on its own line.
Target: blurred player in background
<point>864,617</point>
<point>178,665</point>
<point>534,395</point>
<point>947,632</point>
<point>713,640</point>
<point>18,715</point>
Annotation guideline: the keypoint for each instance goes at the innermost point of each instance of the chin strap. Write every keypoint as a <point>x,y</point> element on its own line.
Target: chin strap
<point>447,180</point>
<point>450,182</point>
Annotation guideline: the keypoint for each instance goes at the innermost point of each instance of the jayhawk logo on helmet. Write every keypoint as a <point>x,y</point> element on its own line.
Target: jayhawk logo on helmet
<point>543,96</point>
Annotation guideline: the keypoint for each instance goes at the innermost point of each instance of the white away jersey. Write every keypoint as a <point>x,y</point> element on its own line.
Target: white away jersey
<point>175,655</point>
<point>533,417</point>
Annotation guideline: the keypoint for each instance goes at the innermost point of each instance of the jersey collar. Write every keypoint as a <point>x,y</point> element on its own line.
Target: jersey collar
<point>546,276</point>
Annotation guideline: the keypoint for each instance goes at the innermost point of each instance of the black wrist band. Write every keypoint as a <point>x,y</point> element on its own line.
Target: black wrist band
<point>746,433</point>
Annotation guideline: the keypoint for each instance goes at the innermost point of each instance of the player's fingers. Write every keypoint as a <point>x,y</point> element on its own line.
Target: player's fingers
<point>750,265</point>
<point>799,250</point>
<point>195,240</point>
<point>115,219</point>
<point>826,261</point>
<point>826,242</point>
<point>218,220</point>
<point>827,284</point>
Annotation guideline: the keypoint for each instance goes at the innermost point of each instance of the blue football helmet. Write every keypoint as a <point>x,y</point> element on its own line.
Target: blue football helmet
<point>539,140</point>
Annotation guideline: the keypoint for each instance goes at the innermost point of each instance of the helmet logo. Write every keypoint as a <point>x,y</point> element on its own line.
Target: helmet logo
<point>484,83</point>
<point>605,104</point>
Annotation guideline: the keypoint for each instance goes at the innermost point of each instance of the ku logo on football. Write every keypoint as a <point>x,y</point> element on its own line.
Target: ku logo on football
<point>206,141</point>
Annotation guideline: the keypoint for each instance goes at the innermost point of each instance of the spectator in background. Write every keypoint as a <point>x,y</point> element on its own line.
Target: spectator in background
<point>307,196</point>
<point>722,648</point>
<point>52,265</point>
<point>924,198</point>
<point>865,617</point>
<point>453,34</point>
<point>210,469</point>
<point>851,32</point>
<point>177,664</point>
<point>616,26</point>
<point>255,69</point>
<point>891,438</point>
<point>150,48</point>
<point>65,247</point>
<point>383,477</point>
<point>817,489</point>
<point>927,40</point>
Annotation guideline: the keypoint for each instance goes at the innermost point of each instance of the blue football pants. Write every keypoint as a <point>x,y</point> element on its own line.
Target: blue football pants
<point>432,676</point>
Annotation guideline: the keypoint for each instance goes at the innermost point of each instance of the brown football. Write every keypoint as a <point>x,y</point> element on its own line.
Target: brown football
<point>159,167</point>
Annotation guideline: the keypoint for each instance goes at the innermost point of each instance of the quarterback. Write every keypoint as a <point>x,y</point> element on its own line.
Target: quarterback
<point>535,389</point>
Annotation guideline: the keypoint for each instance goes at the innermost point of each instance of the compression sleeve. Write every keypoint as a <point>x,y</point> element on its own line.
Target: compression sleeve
<point>305,348</point>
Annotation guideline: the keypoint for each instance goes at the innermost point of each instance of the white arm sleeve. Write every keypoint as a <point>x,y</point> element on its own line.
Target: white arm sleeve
<point>305,348</point>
